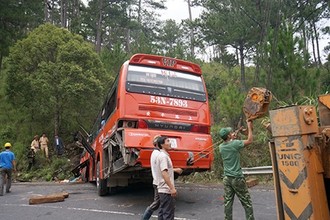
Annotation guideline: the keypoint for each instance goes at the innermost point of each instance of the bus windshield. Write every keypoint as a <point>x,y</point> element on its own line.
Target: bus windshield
<point>164,82</point>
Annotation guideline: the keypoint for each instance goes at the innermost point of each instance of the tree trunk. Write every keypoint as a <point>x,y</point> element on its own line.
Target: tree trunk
<point>139,12</point>
<point>52,13</point>
<point>241,53</point>
<point>317,44</point>
<point>274,46</point>
<point>63,13</point>
<point>99,28</point>
<point>192,44</point>
<point>46,13</point>
<point>57,116</point>
<point>128,35</point>
<point>305,50</point>
<point>1,61</point>
<point>313,47</point>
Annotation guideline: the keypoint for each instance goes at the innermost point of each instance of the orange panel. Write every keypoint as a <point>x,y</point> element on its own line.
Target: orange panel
<point>299,163</point>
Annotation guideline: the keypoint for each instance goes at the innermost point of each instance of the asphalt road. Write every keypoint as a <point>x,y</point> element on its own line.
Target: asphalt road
<point>194,202</point>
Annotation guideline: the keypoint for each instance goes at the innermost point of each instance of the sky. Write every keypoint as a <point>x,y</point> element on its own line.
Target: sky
<point>178,10</point>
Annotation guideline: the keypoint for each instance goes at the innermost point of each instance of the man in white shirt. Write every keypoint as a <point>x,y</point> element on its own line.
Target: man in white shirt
<point>155,204</point>
<point>165,177</point>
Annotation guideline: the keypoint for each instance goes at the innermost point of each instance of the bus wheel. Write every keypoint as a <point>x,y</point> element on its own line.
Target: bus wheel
<point>101,184</point>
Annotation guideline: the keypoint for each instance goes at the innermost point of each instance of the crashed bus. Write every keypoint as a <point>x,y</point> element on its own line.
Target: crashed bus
<point>151,95</point>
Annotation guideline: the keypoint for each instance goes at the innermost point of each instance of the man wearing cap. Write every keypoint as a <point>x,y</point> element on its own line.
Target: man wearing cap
<point>7,165</point>
<point>234,181</point>
<point>35,143</point>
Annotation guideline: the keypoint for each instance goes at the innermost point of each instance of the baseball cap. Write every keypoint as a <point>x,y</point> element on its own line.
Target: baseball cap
<point>224,132</point>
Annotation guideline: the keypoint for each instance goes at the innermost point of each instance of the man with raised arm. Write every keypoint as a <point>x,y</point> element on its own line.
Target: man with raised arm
<point>234,181</point>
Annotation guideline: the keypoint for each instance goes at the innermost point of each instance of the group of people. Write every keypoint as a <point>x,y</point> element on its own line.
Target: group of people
<point>7,158</point>
<point>41,144</point>
<point>163,172</point>
<point>234,182</point>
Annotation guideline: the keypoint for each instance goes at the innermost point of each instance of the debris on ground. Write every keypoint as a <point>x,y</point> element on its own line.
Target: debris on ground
<point>252,182</point>
<point>71,180</point>
<point>55,197</point>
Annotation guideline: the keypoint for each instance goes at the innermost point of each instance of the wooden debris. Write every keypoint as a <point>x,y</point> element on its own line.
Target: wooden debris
<point>252,182</point>
<point>55,197</point>
<point>64,194</point>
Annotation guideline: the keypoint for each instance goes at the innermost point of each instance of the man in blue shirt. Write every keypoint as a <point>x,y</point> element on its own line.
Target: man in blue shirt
<point>7,166</point>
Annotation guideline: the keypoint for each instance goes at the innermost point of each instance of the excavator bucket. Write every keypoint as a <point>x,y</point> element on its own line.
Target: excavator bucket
<point>324,109</point>
<point>256,103</point>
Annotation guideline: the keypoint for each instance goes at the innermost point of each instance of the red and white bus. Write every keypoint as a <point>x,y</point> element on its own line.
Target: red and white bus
<point>152,95</point>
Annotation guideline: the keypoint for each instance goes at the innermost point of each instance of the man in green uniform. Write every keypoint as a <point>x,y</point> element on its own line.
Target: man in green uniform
<point>234,181</point>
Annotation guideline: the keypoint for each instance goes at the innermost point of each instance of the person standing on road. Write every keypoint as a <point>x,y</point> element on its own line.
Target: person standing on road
<point>7,166</point>
<point>234,181</point>
<point>165,177</point>
<point>155,204</point>
<point>44,144</point>
<point>153,164</point>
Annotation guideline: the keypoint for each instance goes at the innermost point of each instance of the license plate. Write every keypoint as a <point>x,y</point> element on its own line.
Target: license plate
<point>173,142</point>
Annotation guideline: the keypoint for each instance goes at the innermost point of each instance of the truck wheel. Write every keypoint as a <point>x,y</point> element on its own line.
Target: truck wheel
<point>101,184</point>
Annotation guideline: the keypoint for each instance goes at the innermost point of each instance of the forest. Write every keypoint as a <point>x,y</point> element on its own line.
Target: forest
<point>59,57</point>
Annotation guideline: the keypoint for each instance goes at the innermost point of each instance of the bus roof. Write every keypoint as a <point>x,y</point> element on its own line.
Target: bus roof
<point>165,62</point>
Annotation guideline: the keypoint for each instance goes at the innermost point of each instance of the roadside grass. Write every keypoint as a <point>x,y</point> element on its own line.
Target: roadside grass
<point>211,177</point>
<point>57,168</point>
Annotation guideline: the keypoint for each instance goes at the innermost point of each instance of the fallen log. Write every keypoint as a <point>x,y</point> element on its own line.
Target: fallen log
<point>64,194</point>
<point>252,182</point>
<point>55,197</point>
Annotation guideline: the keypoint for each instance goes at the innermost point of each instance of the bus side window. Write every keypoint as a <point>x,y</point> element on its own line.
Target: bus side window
<point>111,104</point>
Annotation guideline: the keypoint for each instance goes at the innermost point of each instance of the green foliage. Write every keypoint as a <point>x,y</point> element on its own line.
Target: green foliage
<point>54,74</point>
<point>113,59</point>
<point>171,42</point>
<point>44,170</point>
<point>15,16</point>
<point>231,101</point>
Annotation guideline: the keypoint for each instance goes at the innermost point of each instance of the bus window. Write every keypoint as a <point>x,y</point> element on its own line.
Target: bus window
<point>163,82</point>
<point>110,105</point>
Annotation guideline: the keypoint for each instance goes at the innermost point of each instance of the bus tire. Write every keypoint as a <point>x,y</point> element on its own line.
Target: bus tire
<point>101,184</point>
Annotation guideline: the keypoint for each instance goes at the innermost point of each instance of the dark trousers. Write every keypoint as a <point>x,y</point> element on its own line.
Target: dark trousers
<point>167,207</point>
<point>154,205</point>
<point>31,163</point>
<point>3,173</point>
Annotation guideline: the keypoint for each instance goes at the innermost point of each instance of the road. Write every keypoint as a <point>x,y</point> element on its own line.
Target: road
<point>194,202</point>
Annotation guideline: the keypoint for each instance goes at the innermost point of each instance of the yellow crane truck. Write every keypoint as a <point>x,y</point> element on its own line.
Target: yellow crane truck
<point>300,153</point>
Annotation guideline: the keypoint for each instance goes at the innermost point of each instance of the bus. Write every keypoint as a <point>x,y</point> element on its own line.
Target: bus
<point>151,95</point>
